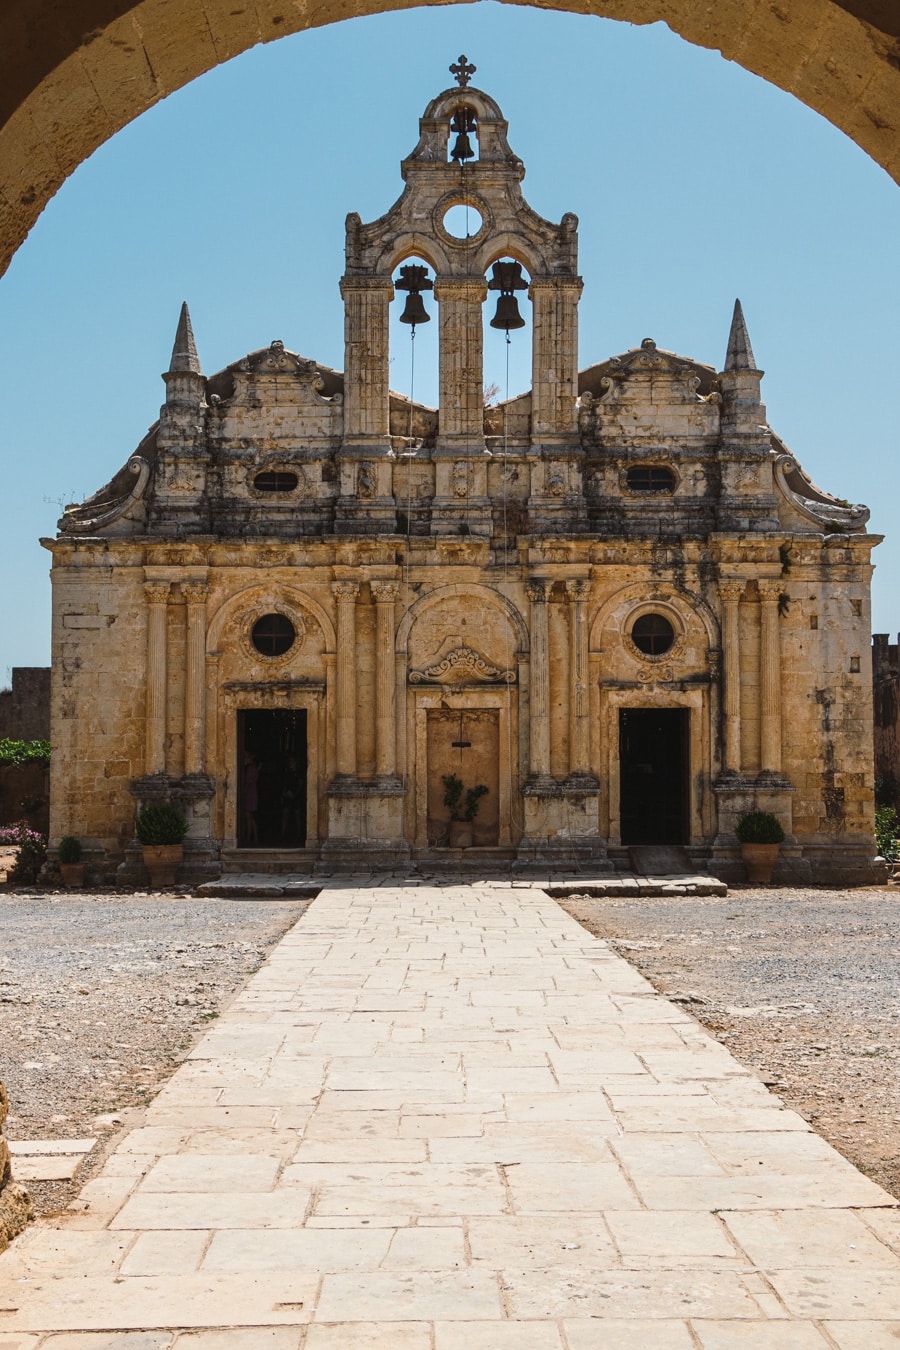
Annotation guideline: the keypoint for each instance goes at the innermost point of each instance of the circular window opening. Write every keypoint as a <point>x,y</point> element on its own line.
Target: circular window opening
<point>275,480</point>
<point>273,635</point>
<point>652,634</point>
<point>650,478</point>
<point>462,222</point>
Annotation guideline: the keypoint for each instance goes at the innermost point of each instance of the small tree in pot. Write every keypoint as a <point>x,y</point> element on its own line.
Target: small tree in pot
<point>760,834</point>
<point>160,828</point>
<point>462,803</point>
<point>71,868</point>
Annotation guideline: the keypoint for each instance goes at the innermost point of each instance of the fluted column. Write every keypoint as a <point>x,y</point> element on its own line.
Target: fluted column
<point>366,342</point>
<point>345,593</point>
<point>195,593</point>
<point>579,752</point>
<point>386,594</point>
<point>554,355</point>
<point>461,359</point>
<point>157,593</point>
<point>731,592</point>
<point>538,594</point>
<point>769,678</point>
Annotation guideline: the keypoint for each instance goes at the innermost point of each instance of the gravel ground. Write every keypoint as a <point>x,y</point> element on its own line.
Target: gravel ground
<point>102,996</point>
<point>801,985</point>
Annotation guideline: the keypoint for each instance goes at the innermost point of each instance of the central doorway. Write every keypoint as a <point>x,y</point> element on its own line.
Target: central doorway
<point>654,775</point>
<point>464,743</point>
<point>272,767</point>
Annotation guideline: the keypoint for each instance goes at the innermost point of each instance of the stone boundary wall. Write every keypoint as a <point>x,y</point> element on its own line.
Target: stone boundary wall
<point>25,707</point>
<point>15,1205</point>
<point>886,691</point>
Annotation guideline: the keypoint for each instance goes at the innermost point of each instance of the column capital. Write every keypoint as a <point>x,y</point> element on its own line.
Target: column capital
<point>385,592</point>
<point>731,588</point>
<point>537,591</point>
<point>344,590</point>
<point>351,282</point>
<point>769,591</point>
<point>578,589</point>
<point>448,287</point>
<point>195,592</point>
<point>157,592</point>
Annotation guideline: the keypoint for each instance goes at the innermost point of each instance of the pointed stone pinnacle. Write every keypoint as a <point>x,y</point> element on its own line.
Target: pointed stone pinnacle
<point>184,353</point>
<point>740,353</point>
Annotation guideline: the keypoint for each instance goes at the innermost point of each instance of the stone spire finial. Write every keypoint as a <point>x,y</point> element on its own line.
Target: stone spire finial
<point>184,353</point>
<point>740,353</point>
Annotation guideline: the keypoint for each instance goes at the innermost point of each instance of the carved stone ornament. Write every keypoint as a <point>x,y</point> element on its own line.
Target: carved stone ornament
<point>462,666</point>
<point>365,479</point>
<point>250,617</point>
<point>556,481</point>
<point>651,676</point>
<point>461,478</point>
<point>95,515</point>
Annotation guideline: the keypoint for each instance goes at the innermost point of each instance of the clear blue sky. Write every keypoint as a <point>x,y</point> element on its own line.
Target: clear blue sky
<point>694,183</point>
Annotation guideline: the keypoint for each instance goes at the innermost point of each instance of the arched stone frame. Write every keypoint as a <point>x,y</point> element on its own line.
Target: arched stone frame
<point>609,694</point>
<point>278,691</point>
<point>73,78</point>
<point>413,702</point>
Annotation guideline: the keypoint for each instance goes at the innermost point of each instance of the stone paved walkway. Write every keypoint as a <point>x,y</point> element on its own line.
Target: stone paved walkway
<point>449,1119</point>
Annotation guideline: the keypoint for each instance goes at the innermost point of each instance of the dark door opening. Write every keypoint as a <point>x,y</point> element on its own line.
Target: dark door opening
<point>654,775</point>
<point>271,778</point>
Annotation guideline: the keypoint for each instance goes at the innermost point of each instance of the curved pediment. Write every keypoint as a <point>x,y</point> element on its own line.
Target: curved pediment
<point>463,665</point>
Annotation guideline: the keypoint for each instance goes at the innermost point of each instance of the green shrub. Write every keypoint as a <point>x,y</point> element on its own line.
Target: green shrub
<point>160,823</point>
<point>453,797</point>
<point>759,827</point>
<point>69,850</point>
<point>886,830</point>
<point>22,752</point>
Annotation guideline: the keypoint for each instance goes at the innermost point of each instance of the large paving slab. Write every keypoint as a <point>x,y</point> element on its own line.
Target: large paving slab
<point>446,1118</point>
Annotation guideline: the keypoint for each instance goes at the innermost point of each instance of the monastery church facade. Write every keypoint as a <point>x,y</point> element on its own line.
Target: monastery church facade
<point>616,602</point>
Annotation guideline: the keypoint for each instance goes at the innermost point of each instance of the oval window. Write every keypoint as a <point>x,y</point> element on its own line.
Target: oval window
<point>650,478</point>
<point>273,635</point>
<point>652,634</point>
<point>275,480</point>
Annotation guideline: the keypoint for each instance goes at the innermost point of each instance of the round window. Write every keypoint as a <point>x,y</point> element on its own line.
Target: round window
<point>273,635</point>
<point>652,634</point>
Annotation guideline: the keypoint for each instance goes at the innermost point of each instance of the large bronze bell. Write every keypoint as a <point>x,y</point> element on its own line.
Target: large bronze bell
<point>414,310</point>
<point>414,278</point>
<point>507,316</point>
<point>507,278</point>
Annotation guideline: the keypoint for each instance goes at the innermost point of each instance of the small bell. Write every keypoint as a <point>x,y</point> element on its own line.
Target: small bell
<point>414,310</point>
<point>507,316</point>
<point>462,123</point>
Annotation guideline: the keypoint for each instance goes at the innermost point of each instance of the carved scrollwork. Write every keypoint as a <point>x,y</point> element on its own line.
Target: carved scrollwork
<point>85,519</point>
<point>811,502</point>
<point>462,665</point>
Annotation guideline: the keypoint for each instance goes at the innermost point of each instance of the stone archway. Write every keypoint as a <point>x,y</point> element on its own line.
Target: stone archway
<point>73,73</point>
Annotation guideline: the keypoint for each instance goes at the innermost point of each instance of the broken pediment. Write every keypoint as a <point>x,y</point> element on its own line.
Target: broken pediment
<point>463,665</point>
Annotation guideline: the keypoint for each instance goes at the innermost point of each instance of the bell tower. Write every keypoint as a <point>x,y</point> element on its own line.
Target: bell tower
<point>463,158</point>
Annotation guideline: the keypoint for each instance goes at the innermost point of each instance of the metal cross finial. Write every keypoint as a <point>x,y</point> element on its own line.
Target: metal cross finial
<point>463,72</point>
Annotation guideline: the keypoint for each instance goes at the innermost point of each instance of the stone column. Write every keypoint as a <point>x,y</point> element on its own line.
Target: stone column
<point>538,593</point>
<point>461,360</point>
<point>731,592</point>
<point>366,345</point>
<point>579,751</point>
<point>554,355</point>
<point>769,678</point>
<point>386,594</point>
<point>345,593</point>
<point>157,593</point>
<point>195,593</point>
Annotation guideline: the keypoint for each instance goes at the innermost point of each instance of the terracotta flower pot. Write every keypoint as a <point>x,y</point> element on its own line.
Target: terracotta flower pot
<point>72,874</point>
<point>162,862</point>
<point>759,860</point>
<point>461,833</point>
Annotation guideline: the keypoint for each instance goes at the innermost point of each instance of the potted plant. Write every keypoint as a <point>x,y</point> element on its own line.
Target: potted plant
<point>462,803</point>
<point>760,834</point>
<point>71,868</point>
<point>160,829</point>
